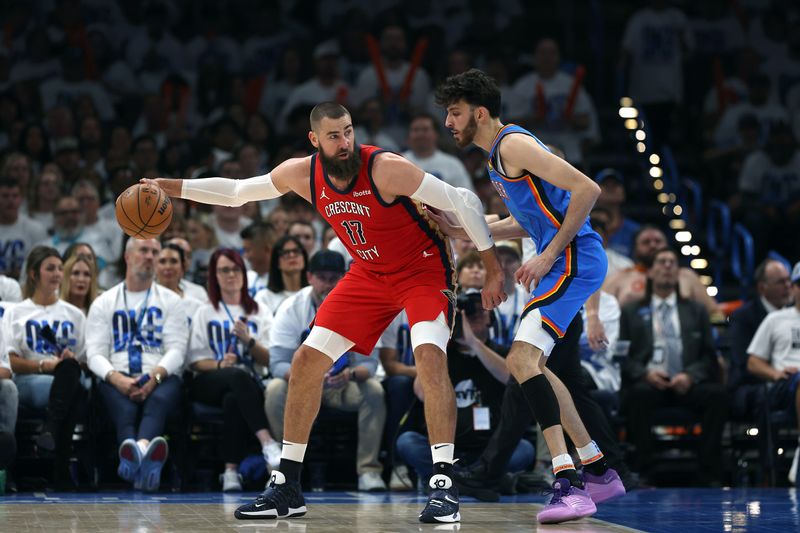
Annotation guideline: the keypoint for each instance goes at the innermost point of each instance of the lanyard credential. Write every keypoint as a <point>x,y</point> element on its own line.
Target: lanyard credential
<point>134,340</point>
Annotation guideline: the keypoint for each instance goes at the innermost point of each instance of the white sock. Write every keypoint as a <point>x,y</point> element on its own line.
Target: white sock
<point>590,453</point>
<point>562,462</point>
<point>142,446</point>
<point>293,451</point>
<point>443,452</point>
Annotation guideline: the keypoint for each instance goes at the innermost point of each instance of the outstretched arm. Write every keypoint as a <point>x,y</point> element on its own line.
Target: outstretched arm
<point>235,192</point>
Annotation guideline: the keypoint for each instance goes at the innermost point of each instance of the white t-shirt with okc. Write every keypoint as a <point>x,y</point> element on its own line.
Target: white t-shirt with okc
<point>16,241</point>
<point>23,324</point>
<point>212,332</point>
<point>270,301</point>
<point>164,332</point>
<point>5,361</point>
<point>444,166</point>
<point>653,38</point>
<point>773,185</point>
<point>10,293</point>
<point>777,339</point>
<point>193,290</point>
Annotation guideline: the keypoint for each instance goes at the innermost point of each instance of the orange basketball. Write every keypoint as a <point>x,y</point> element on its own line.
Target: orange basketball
<point>144,211</point>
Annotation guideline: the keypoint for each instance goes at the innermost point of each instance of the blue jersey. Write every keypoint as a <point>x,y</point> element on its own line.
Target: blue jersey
<point>536,204</point>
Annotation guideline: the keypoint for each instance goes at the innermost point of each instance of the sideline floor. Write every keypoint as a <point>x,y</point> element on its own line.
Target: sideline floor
<point>666,510</point>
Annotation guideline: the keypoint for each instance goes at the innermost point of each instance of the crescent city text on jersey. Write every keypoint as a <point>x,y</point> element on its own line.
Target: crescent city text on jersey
<point>339,208</point>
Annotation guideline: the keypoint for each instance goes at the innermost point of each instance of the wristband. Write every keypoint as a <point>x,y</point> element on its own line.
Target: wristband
<point>41,362</point>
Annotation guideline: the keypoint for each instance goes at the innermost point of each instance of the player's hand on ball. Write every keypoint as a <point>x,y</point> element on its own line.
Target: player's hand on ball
<point>170,186</point>
<point>532,272</point>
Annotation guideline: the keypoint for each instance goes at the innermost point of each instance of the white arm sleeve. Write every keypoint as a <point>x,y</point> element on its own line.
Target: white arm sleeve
<point>229,192</point>
<point>464,203</point>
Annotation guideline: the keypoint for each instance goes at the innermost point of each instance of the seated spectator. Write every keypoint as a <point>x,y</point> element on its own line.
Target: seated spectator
<point>471,274</point>
<point>169,273</point>
<point>349,386</point>
<point>619,228</point>
<point>203,241</point>
<point>598,363</point>
<point>306,234</point>
<point>554,104</point>
<point>10,293</point>
<point>279,218</point>
<point>257,241</point>
<point>423,139</point>
<point>774,356</point>
<point>229,336</point>
<point>43,196</point>
<point>773,293</point>
<point>370,129</point>
<point>392,79</point>
<point>18,233</point>
<point>325,86</point>
<point>68,229</point>
<point>671,362</point>
<point>228,223</point>
<point>189,288</point>
<point>9,395</point>
<point>600,218</point>
<point>287,273</point>
<point>136,346</point>
<point>106,237</point>
<point>770,193</point>
<point>759,104</point>
<point>45,341</point>
<point>79,285</point>
<point>479,374</point>
<point>629,285</point>
<point>508,314</point>
<point>397,359</point>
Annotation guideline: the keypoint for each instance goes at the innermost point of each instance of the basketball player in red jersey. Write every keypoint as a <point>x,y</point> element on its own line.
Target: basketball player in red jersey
<point>374,201</point>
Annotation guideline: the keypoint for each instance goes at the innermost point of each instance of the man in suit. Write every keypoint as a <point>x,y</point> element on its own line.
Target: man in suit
<point>671,362</point>
<point>773,289</point>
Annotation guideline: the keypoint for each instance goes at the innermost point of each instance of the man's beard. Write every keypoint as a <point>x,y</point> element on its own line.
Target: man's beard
<point>341,168</point>
<point>468,133</point>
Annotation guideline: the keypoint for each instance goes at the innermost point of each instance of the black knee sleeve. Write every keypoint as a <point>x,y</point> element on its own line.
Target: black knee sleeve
<point>542,400</point>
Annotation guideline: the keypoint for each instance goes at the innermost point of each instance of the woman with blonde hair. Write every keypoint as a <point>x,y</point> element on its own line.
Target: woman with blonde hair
<point>79,286</point>
<point>45,340</point>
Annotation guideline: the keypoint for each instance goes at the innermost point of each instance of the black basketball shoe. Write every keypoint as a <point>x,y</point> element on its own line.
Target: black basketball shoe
<point>442,503</point>
<point>281,499</point>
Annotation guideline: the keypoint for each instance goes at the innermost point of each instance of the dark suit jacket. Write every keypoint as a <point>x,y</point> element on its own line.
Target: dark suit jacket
<point>741,330</point>
<point>699,356</point>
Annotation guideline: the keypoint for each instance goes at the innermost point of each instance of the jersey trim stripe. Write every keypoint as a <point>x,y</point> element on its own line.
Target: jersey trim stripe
<point>544,203</point>
<point>553,329</point>
<point>498,136</point>
<point>372,185</point>
<point>313,182</point>
<point>560,287</point>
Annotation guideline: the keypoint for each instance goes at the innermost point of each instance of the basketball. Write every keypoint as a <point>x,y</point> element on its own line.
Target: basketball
<point>143,211</point>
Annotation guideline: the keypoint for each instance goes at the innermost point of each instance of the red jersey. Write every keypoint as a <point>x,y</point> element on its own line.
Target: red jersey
<point>382,237</point>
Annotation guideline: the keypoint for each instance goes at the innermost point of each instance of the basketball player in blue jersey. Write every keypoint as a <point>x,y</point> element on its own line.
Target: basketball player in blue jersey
<point>549,201</point>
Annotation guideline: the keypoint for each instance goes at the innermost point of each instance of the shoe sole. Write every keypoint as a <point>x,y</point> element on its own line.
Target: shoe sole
<point>447,519</point>
<point>152,464</point>
<point>127,468</point>
<point>603,496</point>
<point>269,514</point>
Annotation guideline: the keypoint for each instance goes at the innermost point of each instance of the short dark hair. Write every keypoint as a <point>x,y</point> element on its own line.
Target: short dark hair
<point>424,115</point>
<point>475,87</point>
<point>326,110</point>
<point>259,230</point>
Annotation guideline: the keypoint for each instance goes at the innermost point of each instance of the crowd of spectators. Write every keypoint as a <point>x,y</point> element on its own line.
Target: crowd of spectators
<point>95,95</point>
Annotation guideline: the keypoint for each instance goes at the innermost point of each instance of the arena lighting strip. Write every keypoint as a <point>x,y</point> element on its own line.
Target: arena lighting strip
<point>669,201</point>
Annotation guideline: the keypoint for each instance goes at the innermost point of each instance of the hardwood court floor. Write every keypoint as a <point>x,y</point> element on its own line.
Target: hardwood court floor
<point>663,510</point>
